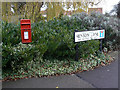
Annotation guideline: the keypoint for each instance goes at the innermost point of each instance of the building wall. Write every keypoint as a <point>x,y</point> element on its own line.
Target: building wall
<point>95,9</point>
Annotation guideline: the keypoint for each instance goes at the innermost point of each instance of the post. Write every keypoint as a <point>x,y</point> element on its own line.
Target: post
<point>76,54</point>
<point>100,45</point>
<point>100,49</point>
<point>76,47</point>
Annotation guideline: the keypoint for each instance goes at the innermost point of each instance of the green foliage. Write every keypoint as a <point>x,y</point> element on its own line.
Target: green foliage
<point>52,39</point>
<point>15,56</point>
<point>56,67</point>
<point>86,50</point>
<point>10,34</point>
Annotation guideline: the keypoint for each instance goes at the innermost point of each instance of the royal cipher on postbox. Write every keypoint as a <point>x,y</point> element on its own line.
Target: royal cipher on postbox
<point>25,30</point>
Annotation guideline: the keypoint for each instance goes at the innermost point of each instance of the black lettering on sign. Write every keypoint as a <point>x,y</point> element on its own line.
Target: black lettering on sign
<point>80,35</point>
<point>95,34</point>
<point>83,35</point>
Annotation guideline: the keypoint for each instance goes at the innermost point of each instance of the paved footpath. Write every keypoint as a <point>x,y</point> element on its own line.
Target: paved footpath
<point>64,81</point>
<point>102,77</point>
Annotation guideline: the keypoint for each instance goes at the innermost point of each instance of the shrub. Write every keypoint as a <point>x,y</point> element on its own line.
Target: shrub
<point>54,39</point>
<point>57,67</point>
<point>11,34</point>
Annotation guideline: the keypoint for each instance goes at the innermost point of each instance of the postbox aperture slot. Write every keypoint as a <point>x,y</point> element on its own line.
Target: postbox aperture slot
<point>25,26</point>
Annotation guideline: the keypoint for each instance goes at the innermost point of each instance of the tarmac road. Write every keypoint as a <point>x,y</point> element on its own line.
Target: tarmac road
<point>103,77</point>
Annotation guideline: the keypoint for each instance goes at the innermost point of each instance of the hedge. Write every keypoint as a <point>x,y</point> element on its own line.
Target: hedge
<point>54,39</point>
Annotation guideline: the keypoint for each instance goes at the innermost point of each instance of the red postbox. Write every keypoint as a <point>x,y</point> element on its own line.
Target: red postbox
<point>25,30</point>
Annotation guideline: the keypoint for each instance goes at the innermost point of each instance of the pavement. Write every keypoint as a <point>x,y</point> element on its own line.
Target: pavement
<point>0,85</point>
<point>102,77</point>
<point>64,81</point>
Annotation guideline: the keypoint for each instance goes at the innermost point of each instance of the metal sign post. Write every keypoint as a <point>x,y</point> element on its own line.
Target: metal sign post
<point>76,54</point>
<point>76,48</point>
<point>101,35</point>
<point>100,45</point>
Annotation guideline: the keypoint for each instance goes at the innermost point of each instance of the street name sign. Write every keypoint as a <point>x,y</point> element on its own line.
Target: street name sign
<point>89,35</point>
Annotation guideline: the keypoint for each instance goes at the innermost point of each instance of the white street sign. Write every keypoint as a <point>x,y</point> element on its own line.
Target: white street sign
<point>89,35</point>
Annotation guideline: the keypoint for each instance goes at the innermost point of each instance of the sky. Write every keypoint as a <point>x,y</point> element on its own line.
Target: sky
<point>107,5</point>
